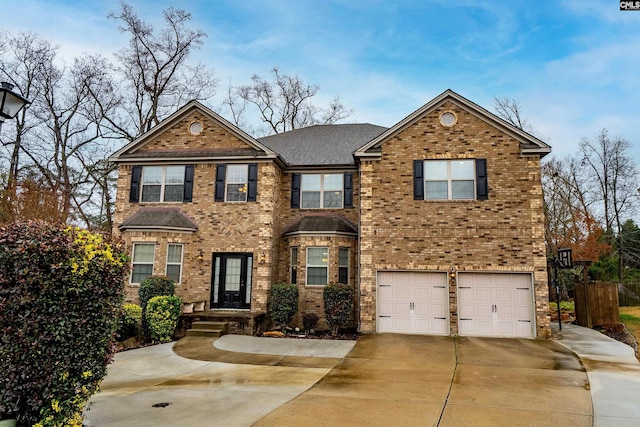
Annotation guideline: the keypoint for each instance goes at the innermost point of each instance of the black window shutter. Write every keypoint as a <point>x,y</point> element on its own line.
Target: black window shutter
<point>295,191</point>
<point>348,190</point>
<point>134,190</point>
<point>482,184</point>
<point>418,180</point>
<point>252,184</point>
<point>188,183</point>
<point>220,177</point>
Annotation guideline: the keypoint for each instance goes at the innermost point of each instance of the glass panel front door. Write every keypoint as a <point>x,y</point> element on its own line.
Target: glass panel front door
<point>231,280</point>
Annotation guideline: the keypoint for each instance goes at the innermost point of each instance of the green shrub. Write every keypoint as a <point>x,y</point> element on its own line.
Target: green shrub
<point>153,286</point>
<point>130,321</point>
<point>61,290</point>
<point>338,305</point>
<point>309,321</point>
<point>163,313</point>
<point>283,303</point>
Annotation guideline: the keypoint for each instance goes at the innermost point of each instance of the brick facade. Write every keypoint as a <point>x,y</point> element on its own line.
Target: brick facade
<point>504,233</point>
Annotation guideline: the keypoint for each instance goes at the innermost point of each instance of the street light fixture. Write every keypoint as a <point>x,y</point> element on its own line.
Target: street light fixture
<point>10,102</point>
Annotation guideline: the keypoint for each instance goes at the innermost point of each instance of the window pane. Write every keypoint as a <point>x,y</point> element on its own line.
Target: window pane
<point>173,272</point>
<point>236,192</point>
<point>143,252</point>
<point>294,255</point>
<point>174,254</point>
<point>343,257</point>
<point>332,199</point>
<point>150,193</point>
<point>174,175</point>
<point>216,279</point>
<point>141,272</point>
<point>310,199</point>
<point>317,276</point>
<point>311,182</point>
<point>343,275</point>
<point>232,277</point>
<point>436,190</point>
<point>333,182</point>
<point>435,170</point>
<point>173,193</point>
<point>462,190</point>
<point>152,175</point>
<point>317,256</point>
<point>247,293</point>
<point>462,169</point>
<point>237,174</point>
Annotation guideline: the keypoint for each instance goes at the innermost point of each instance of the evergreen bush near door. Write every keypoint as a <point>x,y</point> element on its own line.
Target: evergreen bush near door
<point>153,286</point>
<point>338,305</point>
<point>61,291</point>
<point>163,313</point>
<point>283,303</point>
<point>130,322</point>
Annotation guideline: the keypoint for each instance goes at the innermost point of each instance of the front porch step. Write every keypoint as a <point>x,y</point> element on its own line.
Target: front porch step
<point>208,329</point>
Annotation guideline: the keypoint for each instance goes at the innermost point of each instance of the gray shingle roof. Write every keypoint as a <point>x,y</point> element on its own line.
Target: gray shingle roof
<point>159,218</point>
<point>322,144</point>
<point>321,224</point>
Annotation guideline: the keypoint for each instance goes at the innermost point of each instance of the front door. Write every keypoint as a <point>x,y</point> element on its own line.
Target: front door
<point>231,287</point>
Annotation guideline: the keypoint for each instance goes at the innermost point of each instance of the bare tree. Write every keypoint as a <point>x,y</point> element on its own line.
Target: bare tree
<point>283,104</point>
<point>152,74</point>
<point>510,111</point>
<point>614,184</point>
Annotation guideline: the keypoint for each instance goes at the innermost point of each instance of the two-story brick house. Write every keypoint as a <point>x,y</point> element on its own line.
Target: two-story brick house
<point>437,221</point>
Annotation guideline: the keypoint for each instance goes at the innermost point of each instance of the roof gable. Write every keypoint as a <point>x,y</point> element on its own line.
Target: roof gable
<point>149,146</point>
<point>529,144</point>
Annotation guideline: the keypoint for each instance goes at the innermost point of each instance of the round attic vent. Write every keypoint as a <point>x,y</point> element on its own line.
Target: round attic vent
<point>448,119</point>
<point>195,128</point>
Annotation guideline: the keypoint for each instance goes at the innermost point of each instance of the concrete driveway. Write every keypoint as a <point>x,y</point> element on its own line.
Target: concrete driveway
<point>386,379</point>
<point>441,381</point>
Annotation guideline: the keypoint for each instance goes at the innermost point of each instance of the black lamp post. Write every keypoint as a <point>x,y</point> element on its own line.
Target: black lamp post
<point>561,260</point>
<point>10,102</point>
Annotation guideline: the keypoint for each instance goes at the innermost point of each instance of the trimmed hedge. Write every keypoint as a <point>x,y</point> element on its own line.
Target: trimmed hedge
<point>61,291</point>
<point>153,286</point>
<point>163,313</point>
<point>338,305</point>
<point>130,322</point>
<point>283,303</point>
<point>309,321</point>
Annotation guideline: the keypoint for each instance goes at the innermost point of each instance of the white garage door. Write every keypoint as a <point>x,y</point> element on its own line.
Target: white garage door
<point>413,302</point>
<point>495,305</point>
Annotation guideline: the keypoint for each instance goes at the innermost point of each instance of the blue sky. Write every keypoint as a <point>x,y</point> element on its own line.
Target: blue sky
<point>573,66</point>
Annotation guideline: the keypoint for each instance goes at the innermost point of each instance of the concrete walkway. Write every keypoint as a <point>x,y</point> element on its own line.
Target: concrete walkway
<point>614,375</point>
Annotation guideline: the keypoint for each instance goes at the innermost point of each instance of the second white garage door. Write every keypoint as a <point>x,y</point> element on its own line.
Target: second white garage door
<point>413,302</point>
<point>495,305</point>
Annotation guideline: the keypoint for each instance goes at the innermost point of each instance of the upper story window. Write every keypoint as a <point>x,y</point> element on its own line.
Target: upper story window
<point>449,179</point>
<point>457,179</point>
<point>322,191</point>
<point>161,183</point>
<point>236,182</point>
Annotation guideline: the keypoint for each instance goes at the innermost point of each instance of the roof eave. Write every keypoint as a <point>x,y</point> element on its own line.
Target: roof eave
<point>320,234</point>
<point>124,228</point>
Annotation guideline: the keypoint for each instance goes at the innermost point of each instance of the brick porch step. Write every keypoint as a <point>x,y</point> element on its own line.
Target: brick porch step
<point>208,329</point>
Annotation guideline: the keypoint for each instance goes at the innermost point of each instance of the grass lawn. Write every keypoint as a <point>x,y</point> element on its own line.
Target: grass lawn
<point>630,316</point>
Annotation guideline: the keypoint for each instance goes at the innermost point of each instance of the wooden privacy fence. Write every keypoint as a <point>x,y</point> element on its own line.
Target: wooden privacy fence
<point>629,293</point>
<point>596,304</point>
